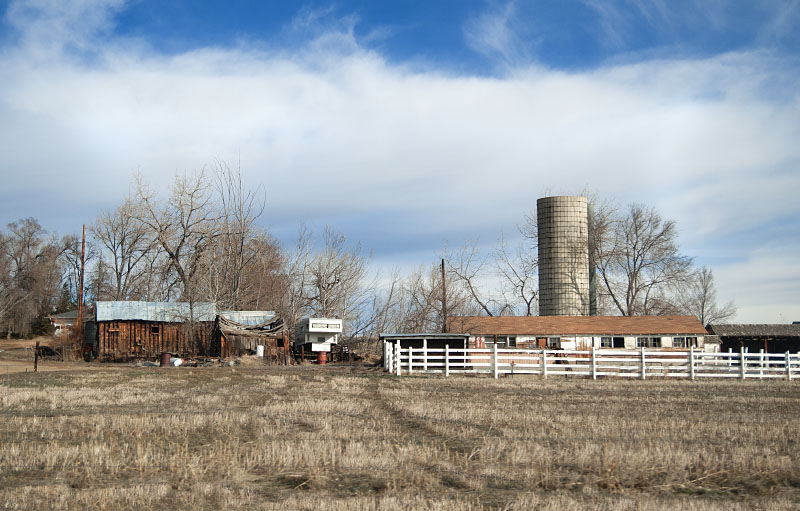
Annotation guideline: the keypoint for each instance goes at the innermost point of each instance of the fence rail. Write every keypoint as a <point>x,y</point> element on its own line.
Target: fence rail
<point>592,363</point>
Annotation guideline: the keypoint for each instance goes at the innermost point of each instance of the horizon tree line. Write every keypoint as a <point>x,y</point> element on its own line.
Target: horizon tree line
<point>202,243</point>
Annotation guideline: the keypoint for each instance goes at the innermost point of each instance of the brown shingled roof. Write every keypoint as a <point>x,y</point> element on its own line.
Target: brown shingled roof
<point>576,325</point>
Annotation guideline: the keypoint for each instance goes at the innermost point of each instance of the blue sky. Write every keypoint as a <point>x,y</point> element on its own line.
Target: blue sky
<point>408,125</point>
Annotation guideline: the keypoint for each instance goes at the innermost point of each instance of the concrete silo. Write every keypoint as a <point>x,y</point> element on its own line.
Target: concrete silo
<point>563,224</point>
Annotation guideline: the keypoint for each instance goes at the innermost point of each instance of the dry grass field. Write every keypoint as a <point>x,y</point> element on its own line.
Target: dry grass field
<point>354,438</point>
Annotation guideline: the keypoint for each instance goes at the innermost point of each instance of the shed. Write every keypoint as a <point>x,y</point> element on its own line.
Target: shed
<point>772,338</point>
<point>241,332</point>
<point>430,340</point>
<point>135,329</point>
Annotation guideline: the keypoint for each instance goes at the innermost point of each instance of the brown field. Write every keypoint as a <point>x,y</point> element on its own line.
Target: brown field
<point>336,437</point>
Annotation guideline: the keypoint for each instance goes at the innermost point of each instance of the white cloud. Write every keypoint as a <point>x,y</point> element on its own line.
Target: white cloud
<point>338,134</point>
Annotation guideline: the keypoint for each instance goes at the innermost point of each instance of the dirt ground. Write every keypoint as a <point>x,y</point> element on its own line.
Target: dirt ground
<point>16,356</point>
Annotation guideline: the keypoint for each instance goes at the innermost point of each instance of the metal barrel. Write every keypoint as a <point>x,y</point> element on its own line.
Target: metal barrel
<point>165,359</point>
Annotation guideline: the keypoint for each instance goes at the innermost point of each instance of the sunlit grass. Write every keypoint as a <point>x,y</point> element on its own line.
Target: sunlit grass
<point>328,438</point>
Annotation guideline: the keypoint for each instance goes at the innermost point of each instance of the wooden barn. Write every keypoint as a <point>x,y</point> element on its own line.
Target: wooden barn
<point>147,329</point>
<point>242,332</point>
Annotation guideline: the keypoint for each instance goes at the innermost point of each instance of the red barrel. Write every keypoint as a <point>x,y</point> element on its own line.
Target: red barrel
<point>165,359</point>
<point>322,358</point>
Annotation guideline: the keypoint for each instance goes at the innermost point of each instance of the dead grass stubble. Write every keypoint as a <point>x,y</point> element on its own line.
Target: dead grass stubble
<point>295,438</point>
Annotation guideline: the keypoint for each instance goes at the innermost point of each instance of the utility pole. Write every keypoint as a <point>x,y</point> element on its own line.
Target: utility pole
<point>444,301</point>
<point>79,326</point>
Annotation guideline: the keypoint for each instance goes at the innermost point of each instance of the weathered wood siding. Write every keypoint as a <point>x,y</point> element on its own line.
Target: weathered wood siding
<point>275,347</point>
<point>145,339</point>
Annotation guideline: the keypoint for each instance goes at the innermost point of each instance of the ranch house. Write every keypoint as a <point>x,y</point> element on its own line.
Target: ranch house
<point>585,332</point>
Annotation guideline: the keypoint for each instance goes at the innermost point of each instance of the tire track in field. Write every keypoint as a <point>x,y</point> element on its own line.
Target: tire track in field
<point>492,491</point>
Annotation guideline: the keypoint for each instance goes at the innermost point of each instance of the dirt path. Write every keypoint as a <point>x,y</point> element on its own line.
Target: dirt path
<point>21,366</point>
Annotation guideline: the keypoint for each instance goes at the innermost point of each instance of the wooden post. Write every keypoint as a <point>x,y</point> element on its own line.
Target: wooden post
<point>425,355</point>
<point>494,361</point>
<point>691,362</point>
<point>594,364</point>
<point>36,358</point>
<point>410,360</point>
<point>742,370</point>
<point>302,355</point>
<point>544,363</point>
<point>397,355</point>
<point>644,365</point>
<point>447,360</point>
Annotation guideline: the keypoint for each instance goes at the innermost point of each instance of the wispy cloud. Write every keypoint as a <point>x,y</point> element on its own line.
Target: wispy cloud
<point>495,33</point>
<point>401,158</point>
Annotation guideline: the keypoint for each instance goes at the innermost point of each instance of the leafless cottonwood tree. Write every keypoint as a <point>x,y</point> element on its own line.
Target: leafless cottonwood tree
<point>231,253</point>
<point>638,262</point>
<point>31,275</point>
<point>518,268</point>
<point>185,226</point>
<point>126,244</point>
<point>699,298</point>
<point>470,268</point>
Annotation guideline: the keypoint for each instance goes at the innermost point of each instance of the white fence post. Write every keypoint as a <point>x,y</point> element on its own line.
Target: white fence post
<point>494,361</point>
<point>447,360</point>
<point>544,363</point>
<point>397,356</point>
<point>410,360</point>
<point>761,359</point>
<point>742,368</point>
<point>594,365</point>
<point>644,367</point>
<point>425,355</point>
<point>691,362</point>
<point>788,365</point>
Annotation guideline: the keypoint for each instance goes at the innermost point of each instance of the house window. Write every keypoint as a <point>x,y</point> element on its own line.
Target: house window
<point>554,343</point>
<point>504,342</point>
<point>648,342</point>
<point>154,329</point>
<point>619,342</point>
<point>684,342</point>
<point>321,338</point>
<point>606,342</point>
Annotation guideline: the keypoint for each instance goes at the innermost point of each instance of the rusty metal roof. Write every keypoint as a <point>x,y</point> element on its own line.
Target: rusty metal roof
<point>577,325</point>
<point>166,312</point>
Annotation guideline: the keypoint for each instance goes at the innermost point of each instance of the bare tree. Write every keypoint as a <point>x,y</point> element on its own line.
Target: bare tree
<point>229,256</point>
<point>638,262</point>
<point>32,275</point>
<point>126,245</point>
<point>518,268</point>
<point>700,299</point>
<point>470,268</point>
<point>184,226</point>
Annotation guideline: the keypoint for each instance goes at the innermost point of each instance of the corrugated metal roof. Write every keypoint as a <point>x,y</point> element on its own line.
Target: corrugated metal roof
<point>167,312</point>
<point>249,318</point>
<point>576,325</point>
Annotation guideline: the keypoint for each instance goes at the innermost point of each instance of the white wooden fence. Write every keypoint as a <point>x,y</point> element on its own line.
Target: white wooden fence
<point>597,362</point>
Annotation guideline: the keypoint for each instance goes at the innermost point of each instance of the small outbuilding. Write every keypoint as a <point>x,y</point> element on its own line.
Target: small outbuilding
<point>772,338</point>
<point>135,329</point>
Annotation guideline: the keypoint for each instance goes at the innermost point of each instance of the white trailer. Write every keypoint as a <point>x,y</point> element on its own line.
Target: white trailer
<point>316,334</point>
